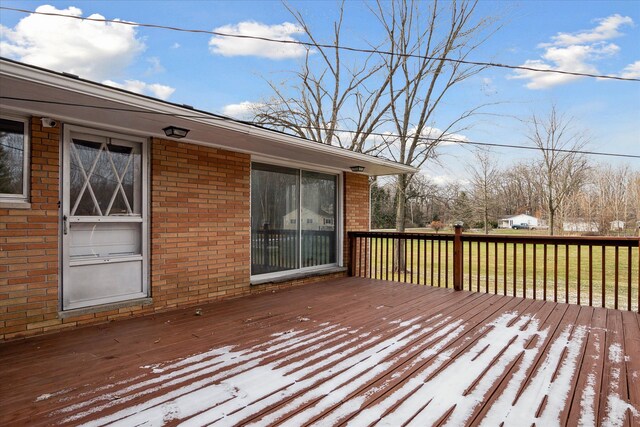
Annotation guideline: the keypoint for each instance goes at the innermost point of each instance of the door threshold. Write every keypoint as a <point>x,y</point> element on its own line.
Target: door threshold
<point>65,314</point>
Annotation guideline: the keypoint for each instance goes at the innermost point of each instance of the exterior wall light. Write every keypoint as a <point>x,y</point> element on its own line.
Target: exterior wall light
<point>175,132</point>
<point>357,168</point>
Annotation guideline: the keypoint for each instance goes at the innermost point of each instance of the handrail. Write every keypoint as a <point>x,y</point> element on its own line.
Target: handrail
<point>589,270</point>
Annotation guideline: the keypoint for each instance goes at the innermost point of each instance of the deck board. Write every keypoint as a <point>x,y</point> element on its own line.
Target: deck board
<point>349,351</point>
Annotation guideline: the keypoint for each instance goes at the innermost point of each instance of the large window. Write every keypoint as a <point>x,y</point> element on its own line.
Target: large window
<point>13,160</point>
<point>293,219</point>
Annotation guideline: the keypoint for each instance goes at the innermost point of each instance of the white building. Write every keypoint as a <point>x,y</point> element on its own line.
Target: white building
<point>512,220</point>
<point>616,225</point>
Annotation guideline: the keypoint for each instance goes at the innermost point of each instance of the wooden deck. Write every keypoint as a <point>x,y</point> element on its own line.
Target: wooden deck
<point>351,351</point>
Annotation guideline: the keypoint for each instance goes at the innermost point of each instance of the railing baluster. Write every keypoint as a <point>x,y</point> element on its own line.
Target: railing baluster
<point>629,278</point>
<point>478,267</point>
<point>604,280</point>
<point>555,274</point>
<point>524,270</point>
<point>616,276</point>
<point>515,263</point>
<point>411,259</point>
<point>432,263</point>
<point>370,255</point>
<point>566,273</point>
<point>386,259</point>
<point>579,270</point>
<point>439,262</point>
<point>504,268</point>
<point>486,266</point>
<point>591,275</point>
<point>470,269</point>
<point>544,272</point>
<point>446,264</point>
<point>535,268</point>
<point>495,268</point>
<point>424,257</point>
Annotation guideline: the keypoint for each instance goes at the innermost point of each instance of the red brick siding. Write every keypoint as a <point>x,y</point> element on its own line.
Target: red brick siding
<point>199,235</point>
<point>200,223</point>
<point>29,244</point>
<point>356,207</point>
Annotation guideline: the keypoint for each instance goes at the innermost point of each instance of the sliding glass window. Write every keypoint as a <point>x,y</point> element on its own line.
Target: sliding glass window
<point>293,219</point>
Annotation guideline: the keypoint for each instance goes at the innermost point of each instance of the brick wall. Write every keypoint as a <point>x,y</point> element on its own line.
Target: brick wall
<point>356,207</point>
<point>29,245</point>
<point>199,232</point>
<point>200,223</point>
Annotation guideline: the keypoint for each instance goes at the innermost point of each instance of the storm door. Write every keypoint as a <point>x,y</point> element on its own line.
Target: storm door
<point>104,227</point>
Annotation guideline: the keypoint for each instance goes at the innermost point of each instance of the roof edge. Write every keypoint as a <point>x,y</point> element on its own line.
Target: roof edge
<point>20,70</point>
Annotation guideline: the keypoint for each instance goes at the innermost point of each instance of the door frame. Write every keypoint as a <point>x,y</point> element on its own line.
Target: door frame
<point>64,204</point>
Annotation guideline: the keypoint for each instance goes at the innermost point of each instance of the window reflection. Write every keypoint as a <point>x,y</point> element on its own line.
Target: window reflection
<point>293,219</point>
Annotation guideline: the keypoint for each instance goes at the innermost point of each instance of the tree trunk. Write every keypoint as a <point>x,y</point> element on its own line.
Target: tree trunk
<point>401,210</point>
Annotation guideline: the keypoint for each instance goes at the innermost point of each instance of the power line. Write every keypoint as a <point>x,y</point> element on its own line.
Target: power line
<point>328,46</point>
<point>382,134</point>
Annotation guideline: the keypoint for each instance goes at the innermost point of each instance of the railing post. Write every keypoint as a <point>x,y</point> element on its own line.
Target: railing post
<point>457,258</point>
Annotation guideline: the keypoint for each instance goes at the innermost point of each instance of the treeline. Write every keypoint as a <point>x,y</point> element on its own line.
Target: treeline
<point>604,200</point>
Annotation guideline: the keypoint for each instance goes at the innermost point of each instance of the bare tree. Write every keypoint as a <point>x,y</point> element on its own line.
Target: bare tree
<point>562,170</point>
<point>484,179</point>
<point>424,39</point>
<point>327,95</point>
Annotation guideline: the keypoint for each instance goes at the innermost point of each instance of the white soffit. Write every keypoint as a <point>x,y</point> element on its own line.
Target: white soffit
<point>100,106</point>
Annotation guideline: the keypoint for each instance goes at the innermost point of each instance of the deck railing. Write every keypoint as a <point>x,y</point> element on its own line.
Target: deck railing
<point>594,271</point>
<point>277,250</point>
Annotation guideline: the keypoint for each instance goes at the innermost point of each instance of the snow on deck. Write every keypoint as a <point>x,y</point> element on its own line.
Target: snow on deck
<point>302,375</point>
<point>508,362</point>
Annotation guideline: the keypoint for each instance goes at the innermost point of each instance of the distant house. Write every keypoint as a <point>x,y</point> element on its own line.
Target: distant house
<point>512,220</point>
<point>616,225</point>
<point>580,226</point>
<point>311,220</point>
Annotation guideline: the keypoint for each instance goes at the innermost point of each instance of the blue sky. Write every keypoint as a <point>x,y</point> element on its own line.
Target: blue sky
<point>591,36</point>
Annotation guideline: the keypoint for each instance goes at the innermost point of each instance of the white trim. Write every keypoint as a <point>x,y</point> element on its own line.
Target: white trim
<point>21,200</point>
<point>278,161</point>
<point>143,219</point>
<point>300,167</point>
<point>266,277</point>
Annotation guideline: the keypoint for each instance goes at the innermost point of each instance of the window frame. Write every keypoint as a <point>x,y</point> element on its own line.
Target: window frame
<point>300,167</point>
<point>20,200</point>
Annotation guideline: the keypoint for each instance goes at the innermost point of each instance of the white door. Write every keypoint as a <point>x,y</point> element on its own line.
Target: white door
<point>104,209</point>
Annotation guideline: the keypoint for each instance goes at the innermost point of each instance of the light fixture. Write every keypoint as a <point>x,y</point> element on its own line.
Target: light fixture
<point>357,168</point>
<point>175,132</point>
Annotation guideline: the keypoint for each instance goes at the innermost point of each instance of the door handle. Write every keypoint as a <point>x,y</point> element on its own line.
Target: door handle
<point>65,225</point>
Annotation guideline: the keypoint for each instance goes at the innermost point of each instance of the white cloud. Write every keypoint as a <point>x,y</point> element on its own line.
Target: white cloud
<point>176,45</point>
<point>576,52</point>
<point>137,86</point>
<point>93,50</point>
<point>606,30</point>
<point>155,67</point>
<point>631,71</point>
<point>233,46</point>
<point>242,110</point>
